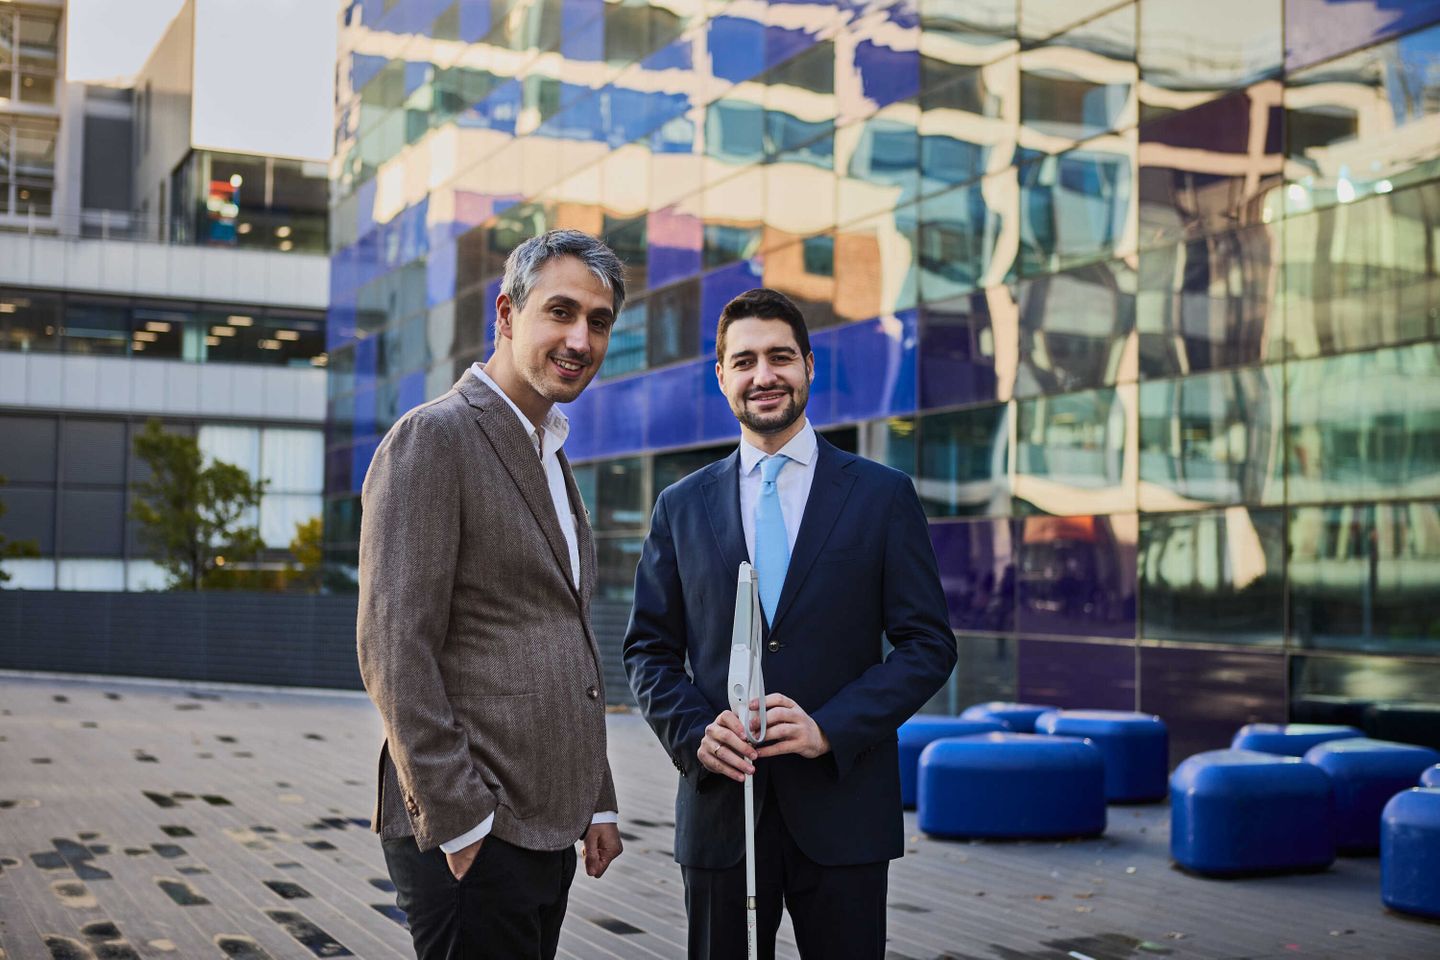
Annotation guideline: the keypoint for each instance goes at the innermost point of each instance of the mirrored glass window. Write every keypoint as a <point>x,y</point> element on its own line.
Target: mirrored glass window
<point>879,163</point>
<point>968,348</point>
<point>967,238</point>
<point>964,462</point>
<point>1076,453</point>
<point>965,32</point>
<point>1080,84</point>
<point>1076,576</point>
<point>977,572</point>
<point>1364,274</point>
<point>29,321</point>
<point>1214,438</point>
<point>1189,52</point>
<point>626,352</point>
<point>1364,577</point>
<point>1209,302</point>
<point>1077,329</point>
<point>875,265</point>
<point>1077,207</point>
<point>1363,426</point>
<point>620,495</point>
<point>1213,576</point>
<point>967,123</point>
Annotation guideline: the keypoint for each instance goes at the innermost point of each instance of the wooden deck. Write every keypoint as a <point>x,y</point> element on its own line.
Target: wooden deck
<point>169,821</point>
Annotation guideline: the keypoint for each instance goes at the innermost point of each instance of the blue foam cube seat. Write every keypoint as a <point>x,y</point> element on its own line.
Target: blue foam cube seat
<point>1410,852</point>
<point>1015,717</point>
<point>1431,776</point>
<point>1011,785</point>
<point>1290,739</point>
<point>919,732</point>
<point>1235,812</point>
<point>1366,774</point>
<point>1136,748</point>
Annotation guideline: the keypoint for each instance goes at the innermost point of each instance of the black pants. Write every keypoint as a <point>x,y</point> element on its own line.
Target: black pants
<point>508,906</point>
<point>838,912</point>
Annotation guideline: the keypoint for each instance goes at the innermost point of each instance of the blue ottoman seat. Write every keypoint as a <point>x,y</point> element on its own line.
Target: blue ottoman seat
<point>1011,785</point>
<point>1410,852</point>
<point>1366,774</point>
<point>917,733</point>
<point>1241,811</point>
<point>1136,747</point>
<point>1290,739</point>
<point>1015,717</point>
<point>1431,776</point>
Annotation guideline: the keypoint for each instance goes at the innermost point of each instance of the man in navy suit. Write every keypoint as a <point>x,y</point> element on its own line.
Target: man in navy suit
<point>842,556</point>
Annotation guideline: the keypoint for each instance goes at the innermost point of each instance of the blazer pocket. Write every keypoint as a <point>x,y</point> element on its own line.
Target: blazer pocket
<point>511,745</point>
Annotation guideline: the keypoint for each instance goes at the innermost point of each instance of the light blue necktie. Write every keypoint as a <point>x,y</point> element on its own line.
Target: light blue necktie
<point>772,544</point>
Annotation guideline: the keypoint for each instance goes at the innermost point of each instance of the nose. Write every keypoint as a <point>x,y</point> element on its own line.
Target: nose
<point>764,375</point>
<point>577,336</point>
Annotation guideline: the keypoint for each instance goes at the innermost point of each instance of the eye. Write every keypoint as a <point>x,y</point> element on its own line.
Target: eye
<point>599,325</point>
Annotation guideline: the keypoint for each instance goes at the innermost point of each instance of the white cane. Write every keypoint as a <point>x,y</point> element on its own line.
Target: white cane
<point>746,684</point>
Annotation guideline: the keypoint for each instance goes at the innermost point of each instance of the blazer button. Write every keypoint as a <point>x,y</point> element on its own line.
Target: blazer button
<point>774,646</point>
<point>593,693</point>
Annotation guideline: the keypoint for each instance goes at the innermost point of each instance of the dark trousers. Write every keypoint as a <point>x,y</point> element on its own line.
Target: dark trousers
<point>838,912</point>
<point>508,906</point>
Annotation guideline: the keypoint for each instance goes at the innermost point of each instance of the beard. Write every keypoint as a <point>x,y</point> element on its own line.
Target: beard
<point>544,381</point>
<point>776,422</point>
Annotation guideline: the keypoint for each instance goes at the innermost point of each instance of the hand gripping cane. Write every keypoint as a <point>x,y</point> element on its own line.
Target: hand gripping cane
<point>746,684</point>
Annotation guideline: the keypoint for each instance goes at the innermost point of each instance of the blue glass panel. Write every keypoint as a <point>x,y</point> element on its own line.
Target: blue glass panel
<point>675,244</point>
<point>339,463</point>
<point>339,327</point>
<point>1210,168</point>
<point>582,30</point>
<point>782,43</point>
<point>821,409</point>
<point>1074,208</point>
<point>968,126</point>
<point>977,572</point>
<point>416,75</point>
<point>959,233</point>
<point>875,368</point>
<point>737,47</point>
<point>1093,676</point>
<point>717,422</point>
<point>360,456</point>
<point>887,75</point>
<point>678,55</point>
<point>718,289</point>
<point>440,274</point>
<point>364,67</point>
<point>475,17</point>
<point>492,293</point>
<point>735,131</point>
<point>620,415</point>
<point>366,354</point>
<point>583,443</point>
<point>965,462</point>
<point>958,356</point>
<point>411,392</point>
<point>673,402</point>
<point>1077,576</point>
<point>1075,453</point>
<point>1316,30</point>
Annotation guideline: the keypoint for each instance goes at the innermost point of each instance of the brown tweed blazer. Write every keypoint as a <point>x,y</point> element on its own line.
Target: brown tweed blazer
<point>473,642</point>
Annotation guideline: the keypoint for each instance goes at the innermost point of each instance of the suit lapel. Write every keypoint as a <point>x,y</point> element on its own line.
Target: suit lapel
<point>502,428</point>
<point>828,492</point>
<point>722,502</point>
<point>584,537</point>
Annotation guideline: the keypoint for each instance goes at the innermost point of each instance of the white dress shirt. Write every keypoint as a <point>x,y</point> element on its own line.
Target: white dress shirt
<point>547,447</point>
<point>792,485</point>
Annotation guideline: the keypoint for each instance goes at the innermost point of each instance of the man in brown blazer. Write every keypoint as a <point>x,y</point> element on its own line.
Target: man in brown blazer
<point>476,571</point>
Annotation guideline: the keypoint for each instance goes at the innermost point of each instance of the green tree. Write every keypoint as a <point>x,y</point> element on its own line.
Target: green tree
<point>309,553</point>
<point>13,548</point>
<point>191,512</point>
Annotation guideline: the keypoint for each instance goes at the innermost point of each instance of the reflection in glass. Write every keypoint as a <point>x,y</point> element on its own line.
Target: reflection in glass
<point>29,321</point>
<point>879,161</point>
<point>626,352</point>
<point>1075,453</point>
<point>1213,438</point>
<point>875,265</point>
<point>1080,84</point>
<point>968,123</point>
<point>1077,329</point>
<point>805,272</point>
<point>964,462</point>
<point>1387,697</point>
<point>1040,19</point>
<point>1363,275</point>
<point>1208,302</point>
<point>1211,168</point>
<point>1364,123</point>
<point>1213,576</point>
<point>955,32</point>
<point>620,495</point>
<point>977,572</point>
<point>734,217</point>
<point>1078,206</point>
<point>1190,51</point>
<point>967,238</point>
<point>883,62</point>
<point>674,329</point>
<point>1365,577</point>
<point>615,561</point>
<point>1363,426</point>
<point>97,328</point>
<point>1077,576</point>
<point>968,349</point>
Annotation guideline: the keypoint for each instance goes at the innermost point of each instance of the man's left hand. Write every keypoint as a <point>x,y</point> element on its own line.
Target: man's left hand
<point>789,729</point>
<point>602,844</point>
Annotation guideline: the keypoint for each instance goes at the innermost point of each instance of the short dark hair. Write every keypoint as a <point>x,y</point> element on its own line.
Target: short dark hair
<point>762,303</point>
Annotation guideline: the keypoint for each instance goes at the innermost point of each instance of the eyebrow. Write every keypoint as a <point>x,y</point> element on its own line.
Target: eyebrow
<point>745,354</point>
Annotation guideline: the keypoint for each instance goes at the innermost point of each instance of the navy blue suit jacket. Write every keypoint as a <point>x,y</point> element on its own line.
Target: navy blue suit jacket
<point>862,566</point>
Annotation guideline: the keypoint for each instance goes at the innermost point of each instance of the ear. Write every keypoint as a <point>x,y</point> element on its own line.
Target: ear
<point>505,315</point>
<point>720,375</point>
<point>810,367</point>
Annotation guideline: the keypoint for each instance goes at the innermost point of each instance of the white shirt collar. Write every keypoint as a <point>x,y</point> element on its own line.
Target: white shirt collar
<point>557,425</point>
<point>801,449</point>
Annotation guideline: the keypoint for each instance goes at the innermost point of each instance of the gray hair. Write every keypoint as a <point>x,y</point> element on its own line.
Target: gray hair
<point>522,267</point>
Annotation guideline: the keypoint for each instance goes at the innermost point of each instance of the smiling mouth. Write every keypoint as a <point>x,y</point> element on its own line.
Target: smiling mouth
<point>568,366</point>
<point>769,397</point>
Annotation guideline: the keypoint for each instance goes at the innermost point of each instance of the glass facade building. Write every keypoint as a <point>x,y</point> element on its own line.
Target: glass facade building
<point>1143,295</point>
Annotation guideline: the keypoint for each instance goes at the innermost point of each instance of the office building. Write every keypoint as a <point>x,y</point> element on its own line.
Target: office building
<point>1143,295</point>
